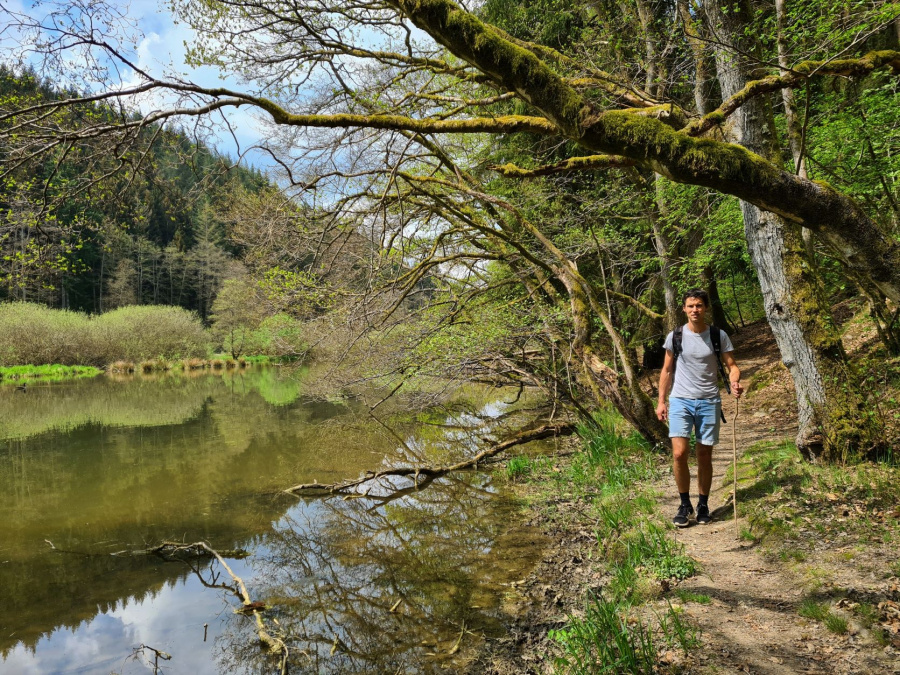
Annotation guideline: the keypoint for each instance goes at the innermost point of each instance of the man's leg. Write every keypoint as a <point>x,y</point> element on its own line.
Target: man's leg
<point>681,448</point>
<point>681,422</point>
<point>704,468</point>
<point>706,439</point>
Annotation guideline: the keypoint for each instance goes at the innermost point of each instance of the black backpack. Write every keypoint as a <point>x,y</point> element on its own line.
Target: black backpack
<point>715,336</point>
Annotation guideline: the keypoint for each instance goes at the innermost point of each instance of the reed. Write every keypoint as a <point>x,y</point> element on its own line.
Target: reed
<point>121,367</point>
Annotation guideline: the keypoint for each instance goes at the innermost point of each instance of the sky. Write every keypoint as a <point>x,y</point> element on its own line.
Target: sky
<point>160,50</point>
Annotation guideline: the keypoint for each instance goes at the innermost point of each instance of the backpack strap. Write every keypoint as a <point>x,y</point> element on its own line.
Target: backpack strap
<point>677,345</point>
<point>715,336</point>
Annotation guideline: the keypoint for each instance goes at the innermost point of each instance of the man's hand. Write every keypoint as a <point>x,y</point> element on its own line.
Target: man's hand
<point>662,412</point>
<point>736,389</point>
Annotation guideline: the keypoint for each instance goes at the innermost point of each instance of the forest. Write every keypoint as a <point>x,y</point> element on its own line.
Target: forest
<point>509,193</point>
<point>160,236</point>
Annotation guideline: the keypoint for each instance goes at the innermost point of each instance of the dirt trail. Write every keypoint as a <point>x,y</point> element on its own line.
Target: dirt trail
<point>752,622</point>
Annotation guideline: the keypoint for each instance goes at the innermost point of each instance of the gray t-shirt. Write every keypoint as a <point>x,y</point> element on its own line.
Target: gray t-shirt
<point>696,372</point>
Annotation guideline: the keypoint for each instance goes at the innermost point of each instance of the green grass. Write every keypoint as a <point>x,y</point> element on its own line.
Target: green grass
<point>818,611</point>
<point>811,609</point>
<point>689,596</point>
<point>604,641</point>
<point>619,634</point>
<point>836,624</point>
<point>518,468</point>
<point>48,373</point>
<point>792,504</point>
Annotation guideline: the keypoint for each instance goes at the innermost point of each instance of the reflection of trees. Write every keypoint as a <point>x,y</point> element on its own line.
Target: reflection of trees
<point>122,465</point>
<point>333,570</point>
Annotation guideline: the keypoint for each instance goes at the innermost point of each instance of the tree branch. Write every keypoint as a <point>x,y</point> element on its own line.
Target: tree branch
<point>588,163</point>
<point>795,77</point>
<point>432,472</point>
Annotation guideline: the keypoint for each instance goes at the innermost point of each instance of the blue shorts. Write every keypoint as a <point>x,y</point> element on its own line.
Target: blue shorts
<point>700,415</point>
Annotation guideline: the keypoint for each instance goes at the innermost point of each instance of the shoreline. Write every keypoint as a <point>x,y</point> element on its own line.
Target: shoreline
<point>808,581</point>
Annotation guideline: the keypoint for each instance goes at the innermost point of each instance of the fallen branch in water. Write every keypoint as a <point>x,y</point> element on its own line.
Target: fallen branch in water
<point>432,472</point>
<point>168,550</point>
<point>273,644</point>
<point>173,550</point>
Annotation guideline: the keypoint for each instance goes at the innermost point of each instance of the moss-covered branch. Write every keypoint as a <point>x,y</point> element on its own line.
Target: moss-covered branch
<point>795,77</point>
<point>514,67</point>
<point>588,163</point>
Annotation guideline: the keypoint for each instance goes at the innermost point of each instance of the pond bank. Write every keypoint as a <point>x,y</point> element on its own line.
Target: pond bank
<point>47,373</point>
<point>812,584</point>
<point>57,372</point>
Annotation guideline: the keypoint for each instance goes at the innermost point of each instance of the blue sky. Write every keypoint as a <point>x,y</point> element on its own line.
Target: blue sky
<point>159,48</point>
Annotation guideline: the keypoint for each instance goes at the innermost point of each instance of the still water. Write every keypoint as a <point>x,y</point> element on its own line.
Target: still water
<point>94,472</point>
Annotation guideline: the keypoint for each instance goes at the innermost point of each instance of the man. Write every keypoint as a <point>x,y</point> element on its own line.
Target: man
<point>695,403</point>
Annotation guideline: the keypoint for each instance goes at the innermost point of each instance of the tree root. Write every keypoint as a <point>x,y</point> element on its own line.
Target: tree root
<point>429,473</point>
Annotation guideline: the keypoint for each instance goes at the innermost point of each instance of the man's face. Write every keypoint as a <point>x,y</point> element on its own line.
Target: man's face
<point>695,309</point>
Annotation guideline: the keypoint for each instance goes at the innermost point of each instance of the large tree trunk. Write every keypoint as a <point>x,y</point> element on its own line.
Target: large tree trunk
<point>833,418</point>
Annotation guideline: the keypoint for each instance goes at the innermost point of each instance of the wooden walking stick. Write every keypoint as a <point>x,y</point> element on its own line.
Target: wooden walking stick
<point>737,403</point>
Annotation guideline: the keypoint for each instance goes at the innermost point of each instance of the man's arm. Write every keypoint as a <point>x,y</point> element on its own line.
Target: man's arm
<point>734,374</point>
<point>665,380</point>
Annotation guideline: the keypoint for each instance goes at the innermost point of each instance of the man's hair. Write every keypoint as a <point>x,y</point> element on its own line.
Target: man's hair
<point>696,293</point>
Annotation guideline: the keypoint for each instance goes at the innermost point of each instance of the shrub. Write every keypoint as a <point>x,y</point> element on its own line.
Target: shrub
<point>143,332</point>
<point>280,335</point>
<point>34,334</point>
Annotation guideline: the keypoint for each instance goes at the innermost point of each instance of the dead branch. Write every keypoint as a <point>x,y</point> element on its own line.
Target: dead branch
<point>273,644</point>
<point>432,472</point>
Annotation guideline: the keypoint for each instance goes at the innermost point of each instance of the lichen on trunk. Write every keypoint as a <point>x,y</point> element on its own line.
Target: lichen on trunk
<point>834,420</point>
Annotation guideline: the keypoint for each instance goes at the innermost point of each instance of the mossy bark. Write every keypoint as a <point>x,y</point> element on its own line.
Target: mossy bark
<point>834,420</point>
<point>650,140</point>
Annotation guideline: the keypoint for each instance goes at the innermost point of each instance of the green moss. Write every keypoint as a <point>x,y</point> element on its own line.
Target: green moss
<point>677,155</point>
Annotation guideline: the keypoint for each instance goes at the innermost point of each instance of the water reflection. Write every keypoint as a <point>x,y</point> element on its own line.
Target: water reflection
<point>101,467</point>
<point>334,570</point>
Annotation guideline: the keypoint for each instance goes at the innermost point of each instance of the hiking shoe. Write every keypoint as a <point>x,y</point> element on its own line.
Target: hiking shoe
<point>685,511</point>
<point>703,517</point>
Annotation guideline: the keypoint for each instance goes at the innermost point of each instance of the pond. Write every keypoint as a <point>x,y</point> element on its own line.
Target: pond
<point>96,472</point>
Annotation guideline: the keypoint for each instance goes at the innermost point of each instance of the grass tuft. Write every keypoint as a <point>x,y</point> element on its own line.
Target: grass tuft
<point>689,596</point>
<point>518,468</point>
<point>836,624</point>
<point>811,609</point>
